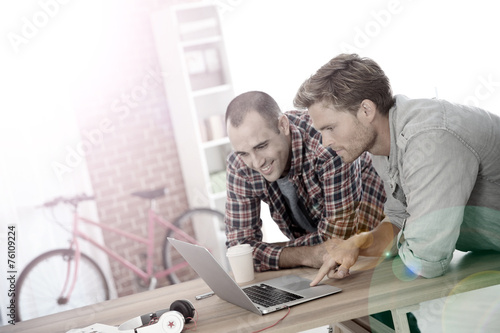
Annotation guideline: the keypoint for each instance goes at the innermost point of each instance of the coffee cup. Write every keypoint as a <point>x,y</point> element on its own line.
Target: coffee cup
<point>241,261</point>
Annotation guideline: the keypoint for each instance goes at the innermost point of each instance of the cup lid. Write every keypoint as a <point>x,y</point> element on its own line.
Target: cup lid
<point>239,250</point>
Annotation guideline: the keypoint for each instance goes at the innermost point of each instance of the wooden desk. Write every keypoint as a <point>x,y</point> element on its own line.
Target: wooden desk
<point>368,290</point>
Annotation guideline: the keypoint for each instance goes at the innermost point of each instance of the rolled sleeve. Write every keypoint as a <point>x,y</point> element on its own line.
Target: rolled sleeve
<point>428,268</point>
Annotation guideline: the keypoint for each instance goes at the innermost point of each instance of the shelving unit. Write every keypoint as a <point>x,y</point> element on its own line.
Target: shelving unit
<point>198,86</point>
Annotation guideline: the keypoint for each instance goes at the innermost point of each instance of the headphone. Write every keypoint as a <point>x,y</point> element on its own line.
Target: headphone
<point>170,320</point>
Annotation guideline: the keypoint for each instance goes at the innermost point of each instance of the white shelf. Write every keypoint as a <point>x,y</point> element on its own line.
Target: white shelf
<point>215,143</point>
<point>201,42</point>
<point>212,90</point>
<point>219,195</point>
<point>191,50</point>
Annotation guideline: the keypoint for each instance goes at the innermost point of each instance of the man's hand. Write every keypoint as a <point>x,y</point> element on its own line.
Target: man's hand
<point>342,254</point>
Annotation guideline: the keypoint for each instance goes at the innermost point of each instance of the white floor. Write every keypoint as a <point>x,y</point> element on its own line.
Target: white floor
<point>472,312</point>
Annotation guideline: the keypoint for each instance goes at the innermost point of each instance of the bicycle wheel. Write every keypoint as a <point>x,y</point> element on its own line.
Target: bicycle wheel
<point>39,286</point>
<point>171,258</point>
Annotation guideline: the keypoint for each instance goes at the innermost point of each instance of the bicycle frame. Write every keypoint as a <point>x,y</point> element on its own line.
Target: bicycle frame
<point>147,276</point>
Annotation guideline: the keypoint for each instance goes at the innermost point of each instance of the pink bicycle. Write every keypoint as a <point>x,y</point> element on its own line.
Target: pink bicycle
<point>64,279</point>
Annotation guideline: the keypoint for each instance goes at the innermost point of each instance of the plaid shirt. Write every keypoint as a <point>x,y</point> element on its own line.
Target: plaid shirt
<point>341,199</point>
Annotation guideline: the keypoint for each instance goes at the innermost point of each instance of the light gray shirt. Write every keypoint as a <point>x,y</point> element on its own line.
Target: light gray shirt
<point>442,180</point>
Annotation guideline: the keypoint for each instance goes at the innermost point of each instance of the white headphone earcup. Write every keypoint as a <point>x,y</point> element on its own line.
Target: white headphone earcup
<point>172,322</point>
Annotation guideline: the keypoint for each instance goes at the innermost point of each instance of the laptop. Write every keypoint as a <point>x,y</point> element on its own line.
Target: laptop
<point>261,298</point>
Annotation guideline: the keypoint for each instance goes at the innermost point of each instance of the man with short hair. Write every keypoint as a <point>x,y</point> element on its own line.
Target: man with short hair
<point>440,163</point>
<point>312,196</point>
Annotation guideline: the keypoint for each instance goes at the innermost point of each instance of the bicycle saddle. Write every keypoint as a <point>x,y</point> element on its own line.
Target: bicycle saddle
<point>152,194</point>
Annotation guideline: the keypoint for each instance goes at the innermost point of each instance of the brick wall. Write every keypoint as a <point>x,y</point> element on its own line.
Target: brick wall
<point>123,111</point>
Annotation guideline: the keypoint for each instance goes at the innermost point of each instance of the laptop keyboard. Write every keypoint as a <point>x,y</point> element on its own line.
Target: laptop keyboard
<point>267,295</point>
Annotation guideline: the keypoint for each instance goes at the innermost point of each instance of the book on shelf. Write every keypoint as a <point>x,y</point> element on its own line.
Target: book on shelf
<point>218,181</point>
<point>204,67</point>
<point>201,60</point>
<point>212,60</point>
<point>217,127</point>
<point>204,130</point>
<point>212,128</point>
<point>195,62</point>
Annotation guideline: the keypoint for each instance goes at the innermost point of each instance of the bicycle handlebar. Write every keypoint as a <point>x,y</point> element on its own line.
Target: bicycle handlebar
<point>75,200</point>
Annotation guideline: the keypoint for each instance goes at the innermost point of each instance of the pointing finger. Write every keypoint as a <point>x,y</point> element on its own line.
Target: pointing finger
<point>323,271</point>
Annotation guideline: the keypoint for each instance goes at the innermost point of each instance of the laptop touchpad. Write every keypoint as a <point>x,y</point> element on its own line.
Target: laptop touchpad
<point>297,286</point>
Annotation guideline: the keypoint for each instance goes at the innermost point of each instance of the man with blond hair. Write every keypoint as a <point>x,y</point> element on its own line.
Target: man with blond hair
<point>440,163</point>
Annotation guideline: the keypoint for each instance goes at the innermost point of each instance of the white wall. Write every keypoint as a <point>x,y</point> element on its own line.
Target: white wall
<point>421,44</point>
